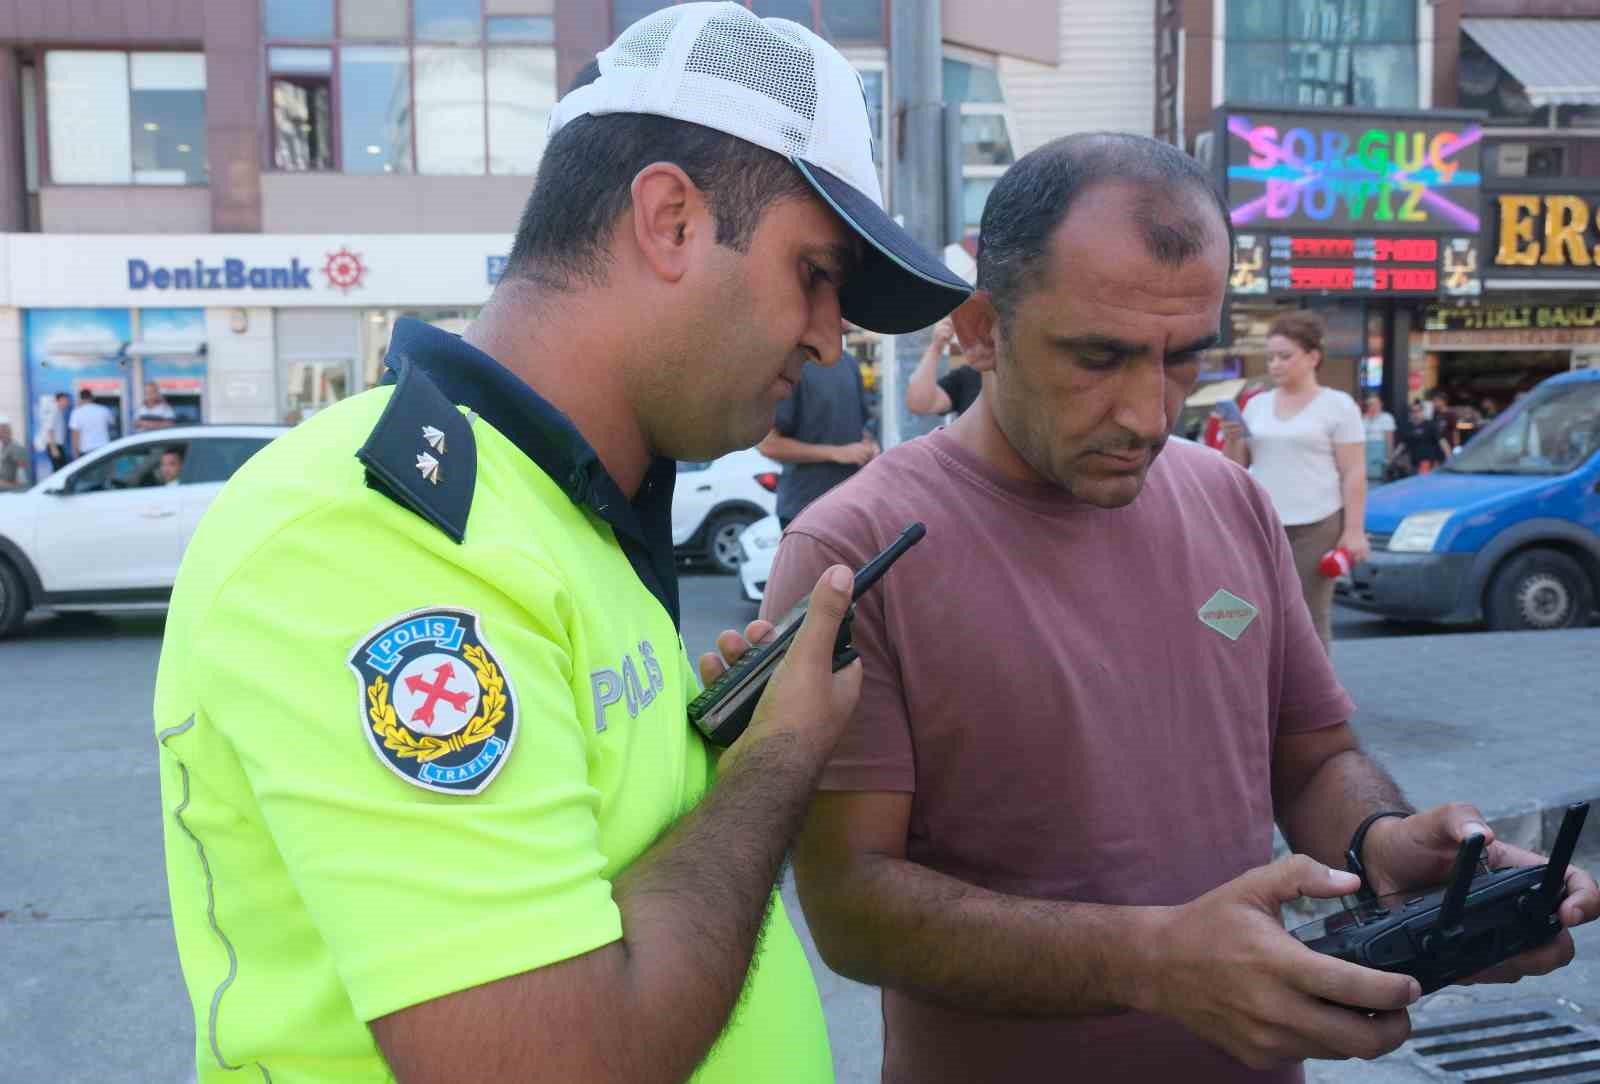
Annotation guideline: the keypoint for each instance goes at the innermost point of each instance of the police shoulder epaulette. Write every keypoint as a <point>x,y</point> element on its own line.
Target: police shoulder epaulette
<point>421,453</point>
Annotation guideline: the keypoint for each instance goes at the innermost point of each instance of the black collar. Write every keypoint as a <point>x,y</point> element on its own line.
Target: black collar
<point>468,376</point>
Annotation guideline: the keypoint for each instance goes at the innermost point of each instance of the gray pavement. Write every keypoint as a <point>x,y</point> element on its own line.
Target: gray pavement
<point>92,990</point>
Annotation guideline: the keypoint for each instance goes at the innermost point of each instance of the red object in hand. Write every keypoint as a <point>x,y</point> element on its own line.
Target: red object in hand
<point>1335,563</point>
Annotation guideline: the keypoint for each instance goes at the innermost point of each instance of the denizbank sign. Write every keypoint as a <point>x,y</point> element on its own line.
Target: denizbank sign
<point>231,274</point>
<point>247,270</point>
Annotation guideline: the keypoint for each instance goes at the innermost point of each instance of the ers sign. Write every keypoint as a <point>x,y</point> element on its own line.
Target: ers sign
<point>1547,231</point>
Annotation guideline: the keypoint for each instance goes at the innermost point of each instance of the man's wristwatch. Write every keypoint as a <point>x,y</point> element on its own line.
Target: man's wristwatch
<point>1352,854</point>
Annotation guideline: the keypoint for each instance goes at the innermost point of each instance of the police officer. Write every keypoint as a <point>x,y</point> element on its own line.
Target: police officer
<point>433,810</point>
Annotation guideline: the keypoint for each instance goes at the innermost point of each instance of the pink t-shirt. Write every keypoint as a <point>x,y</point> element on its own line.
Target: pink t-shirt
<point>1083,703</point>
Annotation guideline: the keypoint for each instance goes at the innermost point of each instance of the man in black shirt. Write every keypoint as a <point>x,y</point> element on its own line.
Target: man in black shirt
<point>1422,440</point>
<point>953,392</point>
<point>822,434</point>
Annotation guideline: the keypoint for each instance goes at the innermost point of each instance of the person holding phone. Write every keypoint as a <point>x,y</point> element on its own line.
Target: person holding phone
<point>1306,445</point>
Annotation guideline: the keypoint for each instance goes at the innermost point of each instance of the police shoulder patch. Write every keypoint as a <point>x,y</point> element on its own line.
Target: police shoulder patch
<point>435,702</point>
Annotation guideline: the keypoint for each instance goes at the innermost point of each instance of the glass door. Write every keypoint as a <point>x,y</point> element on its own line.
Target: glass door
<point>311,384</point>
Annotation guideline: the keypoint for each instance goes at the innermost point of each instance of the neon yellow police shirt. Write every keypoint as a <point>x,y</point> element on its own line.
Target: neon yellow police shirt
<point>327,647</point>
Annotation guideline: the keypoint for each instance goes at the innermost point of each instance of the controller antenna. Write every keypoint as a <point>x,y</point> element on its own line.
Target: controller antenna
<point>1555,872</point>
<point>1454,904</point>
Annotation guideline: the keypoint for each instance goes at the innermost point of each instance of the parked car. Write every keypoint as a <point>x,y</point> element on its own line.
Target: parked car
<point>758,546</point>
<point>1507,531</point>
<point>104,532</point>
<point>716,500</point>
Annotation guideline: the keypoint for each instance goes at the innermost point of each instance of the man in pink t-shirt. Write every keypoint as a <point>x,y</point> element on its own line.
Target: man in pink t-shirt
<point>1092,689</point>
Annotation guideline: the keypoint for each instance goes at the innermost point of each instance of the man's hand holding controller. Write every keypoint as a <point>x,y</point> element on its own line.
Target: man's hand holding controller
<point>805,702</point>
<point>1225,968</point>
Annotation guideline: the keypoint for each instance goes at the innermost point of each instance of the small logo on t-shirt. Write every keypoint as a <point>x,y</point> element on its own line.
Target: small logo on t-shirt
<point>1228,614</point>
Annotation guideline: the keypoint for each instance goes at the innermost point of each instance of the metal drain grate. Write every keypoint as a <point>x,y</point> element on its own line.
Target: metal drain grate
<point>1508,1044</point>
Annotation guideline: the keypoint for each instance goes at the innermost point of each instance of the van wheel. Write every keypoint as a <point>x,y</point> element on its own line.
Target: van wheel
<point>1539,589</point>
<point>13,600</point>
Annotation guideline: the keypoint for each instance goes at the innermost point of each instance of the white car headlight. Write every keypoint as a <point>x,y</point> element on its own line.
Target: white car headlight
<point>766,541</point>
<point>1418,532</point>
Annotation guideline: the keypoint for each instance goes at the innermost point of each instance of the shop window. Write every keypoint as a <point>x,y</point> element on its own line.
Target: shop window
<point>410,107</point>
<point>374,109</point>
<point>449,104</point>
<point>299,20</point>
<point>974,194</point>
<point>987,139</point>
<point>984,140</point>
<point>796,10</point>
<point>30,129</point>
<point>532,29</point>
<point>372,20</point>
<point>875,87</point>
<point>624,13</point>
<point>972,83</point>
<point>852,20</point>
<point>121,118</point>
<point>522,91</point>
<point>302,109</point>
<point>447,20</point>
<point>1322,52</point>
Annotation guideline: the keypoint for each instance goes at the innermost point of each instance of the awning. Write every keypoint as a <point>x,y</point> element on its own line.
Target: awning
<point>1553,59</point>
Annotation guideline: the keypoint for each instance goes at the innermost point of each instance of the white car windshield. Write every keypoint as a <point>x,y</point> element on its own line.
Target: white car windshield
<point>1554,430</point>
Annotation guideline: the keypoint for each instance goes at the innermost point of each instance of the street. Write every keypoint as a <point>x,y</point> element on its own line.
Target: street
<point>86,951</point>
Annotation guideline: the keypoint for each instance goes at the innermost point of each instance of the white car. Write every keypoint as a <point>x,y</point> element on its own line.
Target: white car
<point>104,533</point>
<point>758,545</point>
<point>715,501</point>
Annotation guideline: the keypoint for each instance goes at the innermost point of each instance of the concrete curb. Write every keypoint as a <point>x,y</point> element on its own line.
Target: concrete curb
<point>1533,824</point>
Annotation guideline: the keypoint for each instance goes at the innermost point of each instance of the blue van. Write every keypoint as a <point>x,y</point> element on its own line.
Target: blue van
<point>1507,532</point>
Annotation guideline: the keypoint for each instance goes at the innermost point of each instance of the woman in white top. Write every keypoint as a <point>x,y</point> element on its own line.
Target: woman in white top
<point>1307,448</point>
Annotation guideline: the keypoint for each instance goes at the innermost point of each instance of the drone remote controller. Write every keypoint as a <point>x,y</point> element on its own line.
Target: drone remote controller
<point>724,709</point>
<point>1455,931</point>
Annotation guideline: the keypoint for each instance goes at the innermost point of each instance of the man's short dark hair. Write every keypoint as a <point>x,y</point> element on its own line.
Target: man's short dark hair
<point>585,181</point>
<point>1034,195</point>
<point>85,394</point>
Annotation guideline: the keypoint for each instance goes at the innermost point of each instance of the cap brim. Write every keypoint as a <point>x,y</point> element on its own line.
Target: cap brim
<point>900,286</point>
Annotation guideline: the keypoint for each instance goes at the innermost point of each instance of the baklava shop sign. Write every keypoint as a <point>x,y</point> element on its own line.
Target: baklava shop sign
<point>1545,235</point>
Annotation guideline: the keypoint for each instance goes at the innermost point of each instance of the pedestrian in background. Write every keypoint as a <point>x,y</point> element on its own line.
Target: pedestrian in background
<point>13,459</point>
<point>90,424</point>
<point>951,393</point>
<point>1445,416</point>
<point>154,412</point>
<point>1422,440</point>
<point>822,434</point>
<point>1379,426</point>
<point>1307,448</point>
<point>54,430</point>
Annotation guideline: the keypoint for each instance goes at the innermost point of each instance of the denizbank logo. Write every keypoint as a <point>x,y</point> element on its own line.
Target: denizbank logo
<point>343,270</point>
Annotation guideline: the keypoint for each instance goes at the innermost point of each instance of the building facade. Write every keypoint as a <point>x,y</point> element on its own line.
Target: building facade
<point>235,199</point>
<point>1424,173</point>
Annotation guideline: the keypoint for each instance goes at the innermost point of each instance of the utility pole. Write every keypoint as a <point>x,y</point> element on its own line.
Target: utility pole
<point>916,151</point>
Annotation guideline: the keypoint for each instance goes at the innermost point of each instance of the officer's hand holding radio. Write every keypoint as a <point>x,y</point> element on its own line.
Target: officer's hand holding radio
<point>805,701</point>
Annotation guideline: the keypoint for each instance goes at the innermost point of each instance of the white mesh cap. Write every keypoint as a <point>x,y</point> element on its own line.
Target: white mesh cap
<point>774,83</point>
